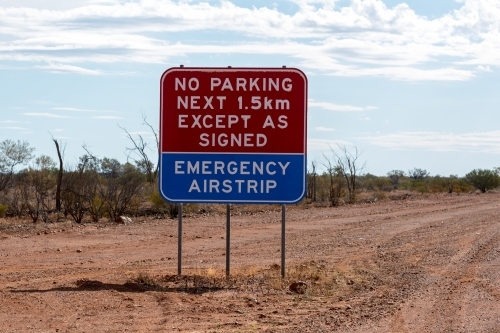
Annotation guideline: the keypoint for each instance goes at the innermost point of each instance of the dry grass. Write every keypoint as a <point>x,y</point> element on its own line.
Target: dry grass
<point>148,280</point>
<point>320,280</point>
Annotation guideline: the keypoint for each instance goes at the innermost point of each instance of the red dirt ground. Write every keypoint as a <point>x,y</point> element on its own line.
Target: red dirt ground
<point>410,264</point>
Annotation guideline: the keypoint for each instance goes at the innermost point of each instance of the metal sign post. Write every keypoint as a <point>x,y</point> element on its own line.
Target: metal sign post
<point>283,212</point>
<point>179,241</point>
<point>228,239</point>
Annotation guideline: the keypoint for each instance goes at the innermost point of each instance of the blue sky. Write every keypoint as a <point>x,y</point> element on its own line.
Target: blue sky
<point>411,84</point>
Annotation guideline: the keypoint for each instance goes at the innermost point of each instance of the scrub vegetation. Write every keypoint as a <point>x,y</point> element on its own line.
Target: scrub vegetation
<point>38,188</point>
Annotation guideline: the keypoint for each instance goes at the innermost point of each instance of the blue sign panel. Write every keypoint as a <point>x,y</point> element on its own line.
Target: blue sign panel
<point>232,178</point>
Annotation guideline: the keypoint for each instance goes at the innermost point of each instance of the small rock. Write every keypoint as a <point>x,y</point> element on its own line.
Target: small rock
<point>298,287</point>
<point>78,250</point>
<point>58,250</point>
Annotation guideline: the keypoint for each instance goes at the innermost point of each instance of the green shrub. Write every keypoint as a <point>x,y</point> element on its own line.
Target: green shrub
<point>171,209</point>
<point>3,209</point>
<point>156,200</point>
<point>484,180</point>
<point>379,195</point>
<point>419,186</point>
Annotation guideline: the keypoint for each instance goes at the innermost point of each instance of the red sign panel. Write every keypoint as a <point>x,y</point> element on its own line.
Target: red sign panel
<point>233,110</point>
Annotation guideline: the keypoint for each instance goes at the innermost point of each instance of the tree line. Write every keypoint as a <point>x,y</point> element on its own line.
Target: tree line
<point>343,181</point>
<point>37,186</point>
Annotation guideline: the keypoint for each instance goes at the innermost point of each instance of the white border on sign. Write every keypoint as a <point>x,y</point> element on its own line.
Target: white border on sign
<point>233,69</point>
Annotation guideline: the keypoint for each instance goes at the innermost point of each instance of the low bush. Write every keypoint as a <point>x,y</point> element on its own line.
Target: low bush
<point>3,209</point>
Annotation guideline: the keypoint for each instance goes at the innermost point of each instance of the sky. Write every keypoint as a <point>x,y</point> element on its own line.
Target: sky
<point>412,84</point>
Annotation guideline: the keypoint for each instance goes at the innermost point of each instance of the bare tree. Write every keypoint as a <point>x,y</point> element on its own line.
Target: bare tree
<point>12,154</point>
<point>59,174</point>
<point>155,133</point>
<point>119,194</point>
<point>311,184</point>
<point>349,166</point>
<point>35,186</point>
<point>395,176</point>
<point>89,167</point>
<point>138,154</point>
<point>14,202</point>
<point>336,186</point>
<point>89,161</point>
<point>74,194</point>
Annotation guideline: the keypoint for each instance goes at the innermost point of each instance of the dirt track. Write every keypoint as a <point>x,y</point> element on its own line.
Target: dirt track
<point>422,264</point>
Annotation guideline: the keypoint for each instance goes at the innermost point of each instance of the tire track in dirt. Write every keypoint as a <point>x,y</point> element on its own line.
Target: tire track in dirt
<point>446,294</point>
<point>397,242</point>
<point>421,259</point>
<point>463,285</point>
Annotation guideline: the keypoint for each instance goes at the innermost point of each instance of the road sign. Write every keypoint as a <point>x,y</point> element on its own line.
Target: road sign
<point>233,135</point>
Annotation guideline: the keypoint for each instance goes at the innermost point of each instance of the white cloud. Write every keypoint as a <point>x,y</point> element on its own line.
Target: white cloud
<point>44,114</point>
<point>80,110</point>
<point>339,108</point>
<point>107,117</point>
<point>63,68</point>
<point>323,129</point>
<point>45,4</point>
<point>364,38</point>
<point>9,122</point>
<point>14,128</point>
<point>481,68</point>
<point>487,142</point>
<point>42,102</point>
<point>334,107</point>
<point>324,145</point>
<point>72,109</point>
